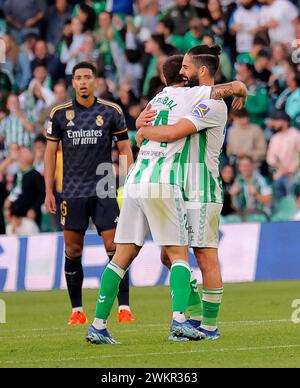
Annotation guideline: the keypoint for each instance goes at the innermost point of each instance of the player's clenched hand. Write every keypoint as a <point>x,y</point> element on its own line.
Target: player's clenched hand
<point>146,118</point>
<point>139,138</point>
<point>238,103</point>
<point>50,203</point>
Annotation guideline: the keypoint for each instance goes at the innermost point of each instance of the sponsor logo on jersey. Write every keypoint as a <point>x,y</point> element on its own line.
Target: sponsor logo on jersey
<point>82,133</point>
<point>70,124</point>
<point>84,137</point>
<point>191,230</point>
<point>201,110</point>
<point>99,121</point>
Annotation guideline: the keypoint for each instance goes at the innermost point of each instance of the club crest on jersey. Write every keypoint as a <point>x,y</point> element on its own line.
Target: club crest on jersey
<point>99,121</point>
<point>201,110</point>
<point>70,115</point>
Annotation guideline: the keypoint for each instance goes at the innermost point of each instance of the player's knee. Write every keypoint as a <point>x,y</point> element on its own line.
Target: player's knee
<point>74,250</point>
<point>110,247</point>
<point>205,262</point>
<point>165,259</point>
<point>108,241</point>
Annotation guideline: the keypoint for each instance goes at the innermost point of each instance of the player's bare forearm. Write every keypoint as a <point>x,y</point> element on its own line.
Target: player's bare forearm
<point>125,151</point>
<point>169,133</point>
<point>159,133</point>
<point>50,165</point>
<point>230,89</point>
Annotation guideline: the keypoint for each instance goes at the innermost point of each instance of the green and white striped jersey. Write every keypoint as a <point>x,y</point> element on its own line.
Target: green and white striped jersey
<point>203,181</point>
<point>13,131</point>
<point>167,162</point>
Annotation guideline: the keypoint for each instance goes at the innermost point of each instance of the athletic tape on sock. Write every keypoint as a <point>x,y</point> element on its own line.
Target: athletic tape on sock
<point>118,270</point>
<point>181,263</point>
<point>212,296</point>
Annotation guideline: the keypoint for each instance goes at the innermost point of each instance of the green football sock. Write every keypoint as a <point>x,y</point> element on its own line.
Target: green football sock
<point>180,285</point>
<point>195,305</point>
<point>109,289</point>
<point>211,299</point>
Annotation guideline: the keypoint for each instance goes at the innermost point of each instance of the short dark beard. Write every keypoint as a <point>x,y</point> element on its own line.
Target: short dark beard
<point>85,96</point>
<point>193,81</point>
<point>249,6</point>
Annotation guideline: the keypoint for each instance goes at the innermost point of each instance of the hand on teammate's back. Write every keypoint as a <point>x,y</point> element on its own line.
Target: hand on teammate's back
<point>139,138</point>
<point>146,118</point>
<point>238,103</point>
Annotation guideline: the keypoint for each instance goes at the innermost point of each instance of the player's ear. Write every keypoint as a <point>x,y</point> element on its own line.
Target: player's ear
<point>203,70</point>
<point>73,83</point>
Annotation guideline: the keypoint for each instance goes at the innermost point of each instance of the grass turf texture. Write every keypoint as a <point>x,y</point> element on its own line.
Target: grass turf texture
<point>255,323</point>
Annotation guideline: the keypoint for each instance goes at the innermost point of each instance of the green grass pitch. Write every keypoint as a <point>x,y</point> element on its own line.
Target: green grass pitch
<point>255,323</point>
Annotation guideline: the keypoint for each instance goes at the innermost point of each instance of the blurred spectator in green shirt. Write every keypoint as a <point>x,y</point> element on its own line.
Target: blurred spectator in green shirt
<point>259,43</point>
<point>250,192</point>
<point>3,26</point>
<point>258,100</point>
<point>155,46</point>
<point>181,14</point>
<point>98,7</point>
<point>166,28</point>
<point>194,36</point>
<point>289,99</point>
<point>102,41</point>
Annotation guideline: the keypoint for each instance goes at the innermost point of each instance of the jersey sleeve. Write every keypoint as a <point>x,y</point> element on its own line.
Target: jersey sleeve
<point>197,94</point>
<point>291,11</point>
<point>208,114</point>
<point>54,131</point>
<point>119,127</point>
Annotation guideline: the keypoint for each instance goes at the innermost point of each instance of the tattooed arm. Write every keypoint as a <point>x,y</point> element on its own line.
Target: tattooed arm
<point>235,89</point>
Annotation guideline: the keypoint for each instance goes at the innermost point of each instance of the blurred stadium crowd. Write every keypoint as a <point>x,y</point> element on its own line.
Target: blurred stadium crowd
<point>128,41</point>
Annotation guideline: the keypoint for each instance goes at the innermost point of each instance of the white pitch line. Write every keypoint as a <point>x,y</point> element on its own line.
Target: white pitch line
<point>122,355</point>
<point>211,350</point>
<point>41,335</point>
<point>229,323</point>
<point>157,326</point>
<point>270,321</point>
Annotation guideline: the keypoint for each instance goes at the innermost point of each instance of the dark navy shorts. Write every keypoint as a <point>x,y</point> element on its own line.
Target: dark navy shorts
<point>77,212</point>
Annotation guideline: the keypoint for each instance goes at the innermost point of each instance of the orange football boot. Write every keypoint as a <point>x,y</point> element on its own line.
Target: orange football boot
<point>78,318</point>
<point>126,316</point>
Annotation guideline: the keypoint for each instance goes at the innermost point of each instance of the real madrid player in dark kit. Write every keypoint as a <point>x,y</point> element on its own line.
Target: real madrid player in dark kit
<point>86,126</point>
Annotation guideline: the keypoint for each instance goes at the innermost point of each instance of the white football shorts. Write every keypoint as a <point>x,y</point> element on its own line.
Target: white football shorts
<point>204,223</point>
<point>156,208</point>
